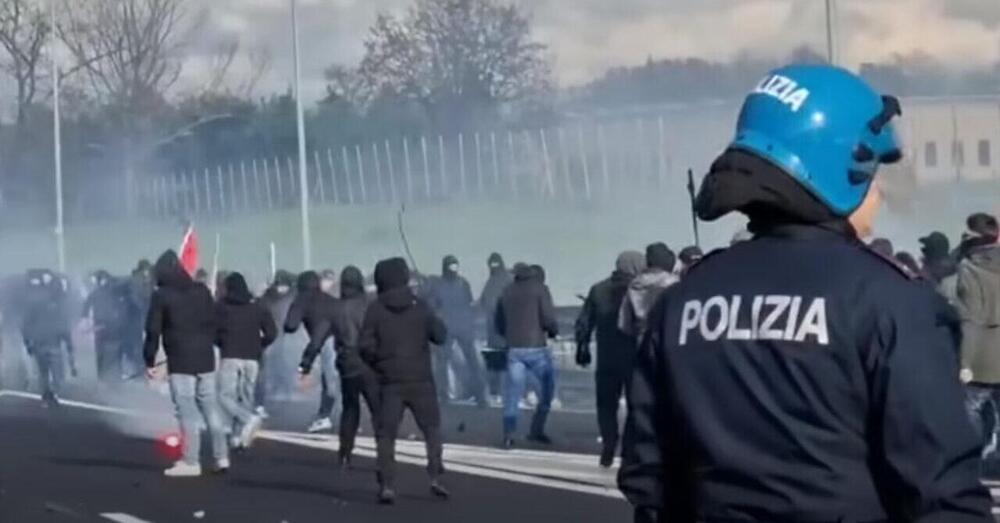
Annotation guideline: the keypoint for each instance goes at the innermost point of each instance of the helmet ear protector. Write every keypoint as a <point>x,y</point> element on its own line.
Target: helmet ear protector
<point>864,154</point>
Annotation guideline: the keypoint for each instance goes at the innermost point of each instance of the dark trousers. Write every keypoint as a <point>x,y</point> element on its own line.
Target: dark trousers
<point>352,389</point>
<point>51,368</point>
<point>470,375</point>
<point>981,404</point>
<point>421,400</point>
<point>109,350</point>
<point>610,389</point>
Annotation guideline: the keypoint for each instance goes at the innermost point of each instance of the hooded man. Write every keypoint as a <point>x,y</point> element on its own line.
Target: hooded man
<point>182,316</point>
<point>646,289</point>
<point>140,291</point>
<point>356,378</point>
<point>108,308</point>
<point>396,339</point>
<point>46,333</point>
<point>278,365</point>
<point>451,298</point>
<point>978,302</point>
<point>526,318</point>
<point>244,329</point>
<point>689,257</point>
<point>315,309</point>
<point>936,258</point>
<point>799,376</point>
<point>496,346</point>
<point>615,349</point>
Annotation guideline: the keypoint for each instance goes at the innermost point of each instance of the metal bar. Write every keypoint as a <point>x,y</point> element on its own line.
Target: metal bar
<point>378,173</point>
<point>550,184</point>
<point>347,175</point>
<point>361,175</point>
<point>232,184</point>
<point>246,189</point>
<point>479,165</point>
<point>443,166</point>
<point>392,172</point>
<point>409,174</point>
<point>208,192</point>
<point>461,164</point>
<point>267,185</point>
<point>585,162</point>
<point>222,191</point>
<point>427,168</point>
<point>603,146</point>
<point>320,184</point>
<point>278,185</point>
<point>512,165</point>
<point>661,148</point>
<point>570,191</point>
<point>333,176</point>
<point>496,161</point>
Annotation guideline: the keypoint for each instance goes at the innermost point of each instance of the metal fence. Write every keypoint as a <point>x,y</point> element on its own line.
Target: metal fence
<point>571,163</point>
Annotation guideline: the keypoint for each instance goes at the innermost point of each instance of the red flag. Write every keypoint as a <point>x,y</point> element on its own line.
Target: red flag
<point>189,251</point>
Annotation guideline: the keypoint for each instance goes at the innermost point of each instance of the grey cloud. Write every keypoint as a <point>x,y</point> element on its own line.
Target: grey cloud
<point>986,12</point>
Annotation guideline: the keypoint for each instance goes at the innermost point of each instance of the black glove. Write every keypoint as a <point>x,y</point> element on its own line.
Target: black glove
<point>583,357</point>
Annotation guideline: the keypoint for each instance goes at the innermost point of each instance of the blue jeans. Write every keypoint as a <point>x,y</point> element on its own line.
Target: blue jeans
<point>195,399</point>
<point>237,386</point>
<point>521,361</point>
<point>329,380</point>
<point>981,404</point>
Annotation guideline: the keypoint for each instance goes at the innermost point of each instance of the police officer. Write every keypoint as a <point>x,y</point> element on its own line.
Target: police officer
<point>799,376</point>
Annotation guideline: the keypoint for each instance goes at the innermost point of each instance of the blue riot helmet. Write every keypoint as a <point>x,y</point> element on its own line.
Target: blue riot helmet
<point>825,127</point>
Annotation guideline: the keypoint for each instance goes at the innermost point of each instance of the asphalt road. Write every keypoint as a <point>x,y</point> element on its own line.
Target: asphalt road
<point>81,464</point>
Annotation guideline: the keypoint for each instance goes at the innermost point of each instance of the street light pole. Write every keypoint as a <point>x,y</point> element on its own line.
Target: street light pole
<point>831,54</point>
<point>57,139</point>
<point>303,166</point>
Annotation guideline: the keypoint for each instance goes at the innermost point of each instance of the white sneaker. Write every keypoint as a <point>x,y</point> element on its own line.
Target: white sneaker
<point>249,431</point>
<point>222,465</point>
<point>320,425</point>
<point>261,411</point>
<point>183,470</point>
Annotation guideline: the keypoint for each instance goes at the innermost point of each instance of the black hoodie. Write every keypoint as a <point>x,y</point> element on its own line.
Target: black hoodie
<point>182,313</point>
<point>500,279</point>
<point>348,322</point>
<point>315,310</point>
<point>244,327</point>
<point>526,316</point>
<point>399,328</point>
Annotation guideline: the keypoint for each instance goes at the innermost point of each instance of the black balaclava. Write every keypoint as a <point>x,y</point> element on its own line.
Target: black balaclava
<point>496,264</point>
<point>449,266</point>
<point>391,274</point>
<point>237,292</point>
<point>539,272</point>
<point>743,182</point>
<point>352,282</point>
<point>659,256</point>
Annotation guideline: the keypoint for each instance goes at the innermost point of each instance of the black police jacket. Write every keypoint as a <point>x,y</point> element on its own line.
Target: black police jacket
<point>799,378</point>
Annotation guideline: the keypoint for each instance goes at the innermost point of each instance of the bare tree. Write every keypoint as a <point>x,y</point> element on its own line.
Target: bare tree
<point>24,30</point>
<point>455,57</point>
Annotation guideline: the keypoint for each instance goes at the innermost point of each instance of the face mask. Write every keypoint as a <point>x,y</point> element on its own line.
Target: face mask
<point>326,285</point>
<point>282,289</point>
<point>46,279</point>
<point>453,268</point>
<point>494,265</point>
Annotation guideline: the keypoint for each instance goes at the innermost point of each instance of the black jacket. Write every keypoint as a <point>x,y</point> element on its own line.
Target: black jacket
<point>45,318</point>
<point>451,298</point>
<point>799,377</point>
<point>110,303</point>
<point>314,310</point>
<point>348,322</point>
<point>615,349</point>
<point>500,279</point>
<point>244,328</point>
<point>399,328</point>
<point>182,314</point>
<point>526,316</point>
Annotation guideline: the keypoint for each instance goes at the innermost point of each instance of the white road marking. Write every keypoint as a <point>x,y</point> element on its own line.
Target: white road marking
<point>123,518</point>
<point>503,465</point>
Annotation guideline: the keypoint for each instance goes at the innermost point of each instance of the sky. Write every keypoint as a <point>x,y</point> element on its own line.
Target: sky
<point>586,37</point>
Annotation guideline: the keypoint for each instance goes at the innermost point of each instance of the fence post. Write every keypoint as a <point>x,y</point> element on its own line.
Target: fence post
<point>407,166</point>
<point>511,169</point>
<point>333,176</point>
<point>479,166</point>
<point>243,184</point>
<point>443,166</point>
<point>550,184</point>
<point>585,163</point>
<point>461,165</point>
<point>570,191</point>
<point>427,168</point>
<point>208,192</point>
<point>293,180</point>
<point>153,195</point>
<point>496,162</point>
<point>277,182</point>
<point>392,172</point>
<point>177,196</point>
<point>232,185</point>
<point>222,192</point>
<point>347,174</point>
<point>165,194</point>
<point>640,157</point>
<point>378,173</point>
<point>267,185</point>
<point>361,175</point>
<point>661,145</point>
<point>603,146</point>
<point>320,184</point>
